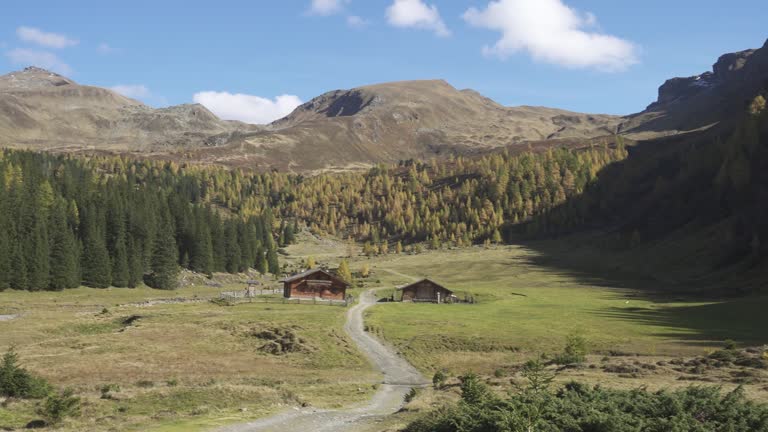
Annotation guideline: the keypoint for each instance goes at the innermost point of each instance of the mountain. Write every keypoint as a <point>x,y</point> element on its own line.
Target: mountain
<point>43,110</point>
<point>355,128</point>
<point>689,208</point>
<point>339,129</point>
<point>414,119</point>
<point>701,101</point>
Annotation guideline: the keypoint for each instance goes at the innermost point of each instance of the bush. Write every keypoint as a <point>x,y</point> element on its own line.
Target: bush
<point>411,395</point>
<point>145,384</point>
<point>107,390</point>
<point>578,407</point>
<point>58,406</point>
<point>575,351</point>
<point>16,382</point>
<point>438,379</point>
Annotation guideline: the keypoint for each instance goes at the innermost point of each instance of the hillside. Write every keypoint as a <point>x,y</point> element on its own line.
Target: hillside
<point>687,209</point>
<point>43,110</point>
<point>339,129</point>
<point>356,128</point>
<point>413,119</point>
<point>712,98</point>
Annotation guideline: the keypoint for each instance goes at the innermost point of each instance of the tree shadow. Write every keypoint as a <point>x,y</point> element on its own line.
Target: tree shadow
<point>676,262</point>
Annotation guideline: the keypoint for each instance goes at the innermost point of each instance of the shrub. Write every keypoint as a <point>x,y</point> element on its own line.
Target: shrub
<point>537,376</point>
<point>411,395</point>
<point>107,390</point>
<point>145,384</point>
<point>58,406</point>
<point>172,382</point>
<point>17,382</point>
<point>473,390</point>
<point>575,351</point>
<point>438,379</point>
<point>578,407</point>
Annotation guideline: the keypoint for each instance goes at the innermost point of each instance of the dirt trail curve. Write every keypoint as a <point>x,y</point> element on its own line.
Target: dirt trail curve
<point>399,377</point>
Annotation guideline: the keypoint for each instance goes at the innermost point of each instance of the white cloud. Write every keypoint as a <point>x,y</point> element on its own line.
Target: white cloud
<point>551,32</point>
<point>327,7</point>
<point>247,108</point>
<point>136,91</point>
<point>42,59</point>
<point>357,22</point>
<point>416,14</point>
<point>39,37</point>
<point>105,48</point>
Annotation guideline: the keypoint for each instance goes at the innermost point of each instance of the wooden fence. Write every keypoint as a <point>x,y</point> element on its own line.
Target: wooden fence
<point>234,297</point>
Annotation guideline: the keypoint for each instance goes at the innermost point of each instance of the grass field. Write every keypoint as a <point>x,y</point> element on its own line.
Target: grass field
<point>195,365</point>
<point>525,310</point>
<point>178,366</point>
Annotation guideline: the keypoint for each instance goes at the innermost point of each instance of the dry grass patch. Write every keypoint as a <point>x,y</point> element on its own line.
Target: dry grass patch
<point>180,363</point>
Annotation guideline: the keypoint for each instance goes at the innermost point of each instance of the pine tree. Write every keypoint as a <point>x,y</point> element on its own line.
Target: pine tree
<point>18,277</point>
<point>38,259</point>
<point>5,256</point>
<point>135,263</point>
<point>272,263</point>
<point>233,254</point>
<point>201,259</point>
<point>64,250</point>
<point>165,257</point>
<point>120,269</point>
<point>261,260</point>
<point>95,259</point>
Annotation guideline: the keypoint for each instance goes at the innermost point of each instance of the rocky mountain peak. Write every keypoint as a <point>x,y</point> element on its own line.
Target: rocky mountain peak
<point>32,78</point>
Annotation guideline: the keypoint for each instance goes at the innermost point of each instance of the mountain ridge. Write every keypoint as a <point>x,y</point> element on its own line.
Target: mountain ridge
<point>354,128</point>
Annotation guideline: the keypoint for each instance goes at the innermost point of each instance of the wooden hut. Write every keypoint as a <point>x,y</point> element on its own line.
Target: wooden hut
<point>315,283</point>
<point>426,290</point>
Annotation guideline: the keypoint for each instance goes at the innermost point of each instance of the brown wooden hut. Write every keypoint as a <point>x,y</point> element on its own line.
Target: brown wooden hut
<point>426,290</point>
<point>315,283</point>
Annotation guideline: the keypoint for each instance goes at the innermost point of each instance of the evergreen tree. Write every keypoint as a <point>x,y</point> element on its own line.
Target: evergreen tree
<point>5,256</point>
<point>272,263</point>
<point>201,259</point>
<point>261,260</point>
<point>165,258</point>
<point>121,273</point>
<point>233,254</point>
<point>64,250</point>
<point>38,260</point>
<point>135,263</point>
<point>95,264</point>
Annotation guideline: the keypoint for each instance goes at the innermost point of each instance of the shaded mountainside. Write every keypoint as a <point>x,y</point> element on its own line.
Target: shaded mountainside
<point>712,98</point>
<point>43,110</point>
<point>691,209</point>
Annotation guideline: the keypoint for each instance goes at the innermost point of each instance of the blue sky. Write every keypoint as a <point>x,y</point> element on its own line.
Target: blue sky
<point>601,56</point>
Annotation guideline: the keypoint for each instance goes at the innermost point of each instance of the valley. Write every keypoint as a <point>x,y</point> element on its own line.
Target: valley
<point>181,380</point>
<point>397,256</point>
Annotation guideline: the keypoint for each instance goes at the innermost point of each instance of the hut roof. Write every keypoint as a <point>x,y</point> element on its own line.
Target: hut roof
<point>424,280</point>
<point>310,272</point>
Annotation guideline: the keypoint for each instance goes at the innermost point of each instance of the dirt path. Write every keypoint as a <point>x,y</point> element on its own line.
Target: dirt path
<point>399,378</point>
<point>396,273</point>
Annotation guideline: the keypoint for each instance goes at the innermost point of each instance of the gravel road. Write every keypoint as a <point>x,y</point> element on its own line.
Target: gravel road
<point>399,378</point>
